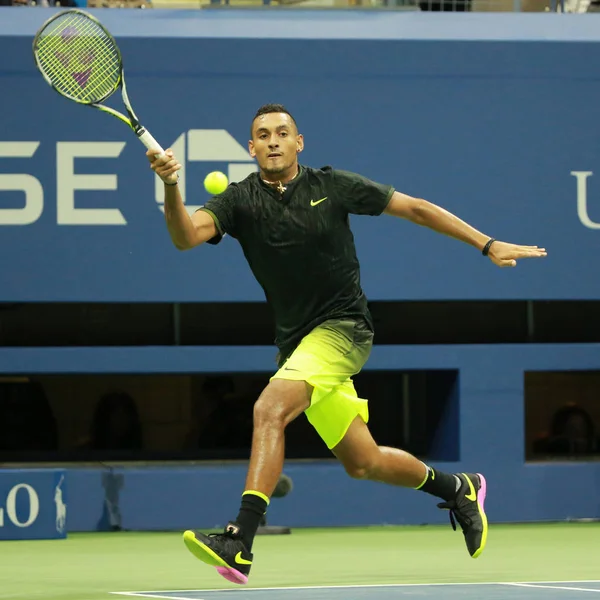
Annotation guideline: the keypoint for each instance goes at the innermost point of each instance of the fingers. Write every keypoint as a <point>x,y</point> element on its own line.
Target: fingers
<point>152,154</point>
<point>506,255</point>
<point>163,166</point>
<point>529,252</point>
<point>512,251</point>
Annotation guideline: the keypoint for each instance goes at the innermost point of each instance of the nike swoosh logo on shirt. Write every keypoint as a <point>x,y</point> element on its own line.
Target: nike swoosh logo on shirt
<point>315,202</point>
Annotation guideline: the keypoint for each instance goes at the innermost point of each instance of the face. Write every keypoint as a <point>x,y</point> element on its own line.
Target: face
<point>275,143</point>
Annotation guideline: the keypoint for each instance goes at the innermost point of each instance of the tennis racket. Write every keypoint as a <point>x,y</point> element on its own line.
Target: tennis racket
<point>80,59</point>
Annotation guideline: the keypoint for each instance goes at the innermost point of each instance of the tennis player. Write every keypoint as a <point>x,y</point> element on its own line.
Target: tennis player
<point>292,223</point>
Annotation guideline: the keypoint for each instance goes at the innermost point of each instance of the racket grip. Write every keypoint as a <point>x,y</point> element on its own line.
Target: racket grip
<point>150,143</point>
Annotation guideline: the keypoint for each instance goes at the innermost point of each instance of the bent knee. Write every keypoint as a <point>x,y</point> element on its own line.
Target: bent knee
<point>266,411</point>
<point>281,402</point>
<point>366,468</point>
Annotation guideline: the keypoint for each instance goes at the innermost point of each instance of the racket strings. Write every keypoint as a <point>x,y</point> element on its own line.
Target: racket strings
<point>79,58</point>
<point>85,65</point>
<point>76,48</point>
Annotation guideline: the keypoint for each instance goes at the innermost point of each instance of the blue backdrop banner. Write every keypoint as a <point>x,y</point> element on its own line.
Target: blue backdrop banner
<point>485,119</point>
<point>33,504</point>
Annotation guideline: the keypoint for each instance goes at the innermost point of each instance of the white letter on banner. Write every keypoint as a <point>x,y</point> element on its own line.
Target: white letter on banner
<point>21,182</point>
<point>582,211</point>
<point>67,182</point>
<point>11,505</point>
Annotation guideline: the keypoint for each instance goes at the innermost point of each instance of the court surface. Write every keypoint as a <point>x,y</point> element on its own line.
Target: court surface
<point>521,562</point>
<point>496,591</point>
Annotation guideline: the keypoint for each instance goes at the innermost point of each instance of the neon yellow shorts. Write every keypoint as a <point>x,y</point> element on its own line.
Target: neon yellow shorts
<point>327,358</point>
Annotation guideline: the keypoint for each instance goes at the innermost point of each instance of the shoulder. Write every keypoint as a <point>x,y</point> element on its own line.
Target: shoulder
<point>345,175</point>
<point>322,173</point>
<point>333,179</point>
<point>342,180</point>
<point>330,173</point>
<point>349,180</point>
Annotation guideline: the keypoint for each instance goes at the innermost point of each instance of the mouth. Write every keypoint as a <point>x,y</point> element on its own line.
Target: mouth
<point>274,155</point>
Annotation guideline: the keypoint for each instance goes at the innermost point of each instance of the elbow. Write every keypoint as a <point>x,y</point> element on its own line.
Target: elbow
<point>181,246</point>
<point>187,244</point>
<point>419,212</point>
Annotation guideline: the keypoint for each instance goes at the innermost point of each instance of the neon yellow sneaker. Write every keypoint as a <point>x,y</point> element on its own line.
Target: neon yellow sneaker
<point>225,551</point>
<point>467,509</point>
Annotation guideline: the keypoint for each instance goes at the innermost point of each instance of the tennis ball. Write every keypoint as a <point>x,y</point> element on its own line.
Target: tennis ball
<point>215,182</point>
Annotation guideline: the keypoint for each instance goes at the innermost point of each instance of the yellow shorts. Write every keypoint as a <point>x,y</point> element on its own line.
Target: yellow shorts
<point>327,358</point>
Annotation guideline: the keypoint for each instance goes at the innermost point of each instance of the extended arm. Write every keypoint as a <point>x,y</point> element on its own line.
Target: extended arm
<point>434,217</point>
<point>186,231</point>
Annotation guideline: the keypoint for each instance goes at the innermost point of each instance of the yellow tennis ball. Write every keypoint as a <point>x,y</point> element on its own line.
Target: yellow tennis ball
<point>215,182</point>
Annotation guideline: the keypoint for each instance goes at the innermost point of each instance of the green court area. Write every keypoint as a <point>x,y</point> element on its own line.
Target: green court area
<point>93,565</point>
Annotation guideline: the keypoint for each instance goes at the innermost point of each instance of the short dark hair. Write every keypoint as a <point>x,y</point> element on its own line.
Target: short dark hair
<point>266,109</point>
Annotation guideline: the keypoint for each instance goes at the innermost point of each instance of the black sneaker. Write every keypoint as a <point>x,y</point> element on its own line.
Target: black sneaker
<point>225,551</point>
<point>467,509</point>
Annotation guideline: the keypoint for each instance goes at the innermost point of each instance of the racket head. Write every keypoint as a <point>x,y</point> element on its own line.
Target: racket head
<point>78,57</point>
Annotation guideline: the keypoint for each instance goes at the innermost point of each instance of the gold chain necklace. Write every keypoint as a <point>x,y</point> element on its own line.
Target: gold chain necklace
<point>279,186</point>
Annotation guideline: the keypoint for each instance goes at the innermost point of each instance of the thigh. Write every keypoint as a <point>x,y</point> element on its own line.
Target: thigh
<point>357,446</point>
<point>329,355</point>
<point>331,413</point>
<point>326,359</point>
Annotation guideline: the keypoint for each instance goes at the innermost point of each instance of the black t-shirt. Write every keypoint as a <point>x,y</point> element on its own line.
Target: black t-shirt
<point>299,244</point>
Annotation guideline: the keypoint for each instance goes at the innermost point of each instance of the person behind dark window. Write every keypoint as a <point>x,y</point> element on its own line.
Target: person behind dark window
<point>572,433</point>
<point>222,419</point>
<point>27,422</point>
<point>116,424</point>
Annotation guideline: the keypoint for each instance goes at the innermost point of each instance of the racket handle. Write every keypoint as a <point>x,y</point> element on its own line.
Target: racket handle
<point>150,143</point>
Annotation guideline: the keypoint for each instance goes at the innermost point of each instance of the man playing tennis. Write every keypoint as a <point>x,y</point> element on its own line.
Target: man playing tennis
<point>292,223</point>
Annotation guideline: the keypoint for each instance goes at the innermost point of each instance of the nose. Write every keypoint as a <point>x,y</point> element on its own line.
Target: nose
<point>273,143</point>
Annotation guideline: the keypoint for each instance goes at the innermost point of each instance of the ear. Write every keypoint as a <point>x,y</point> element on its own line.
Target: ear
<point>251,149</point>
<point>299,143</point>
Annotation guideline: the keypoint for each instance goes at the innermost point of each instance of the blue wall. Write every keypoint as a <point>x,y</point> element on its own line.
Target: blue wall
<point>487,115</point>
<point>489,126</point>
<point>491,440</point>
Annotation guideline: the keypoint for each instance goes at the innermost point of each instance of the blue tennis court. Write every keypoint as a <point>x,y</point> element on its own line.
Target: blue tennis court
<point>547,590</point>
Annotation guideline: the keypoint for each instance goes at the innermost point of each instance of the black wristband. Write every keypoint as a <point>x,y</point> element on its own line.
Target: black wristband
<point>487,247</point>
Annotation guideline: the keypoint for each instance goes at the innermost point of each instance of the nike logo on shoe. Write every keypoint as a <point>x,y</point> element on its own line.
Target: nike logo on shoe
<point>472,495</point>
<point>241,561</point>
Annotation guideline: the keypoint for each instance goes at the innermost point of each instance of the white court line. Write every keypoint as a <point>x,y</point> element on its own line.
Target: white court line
<point>555,587</point>
<point>157,593</point>
<point>138,595</point>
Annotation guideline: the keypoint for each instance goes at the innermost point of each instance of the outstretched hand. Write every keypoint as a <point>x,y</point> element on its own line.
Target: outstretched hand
<point>506,255</point>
